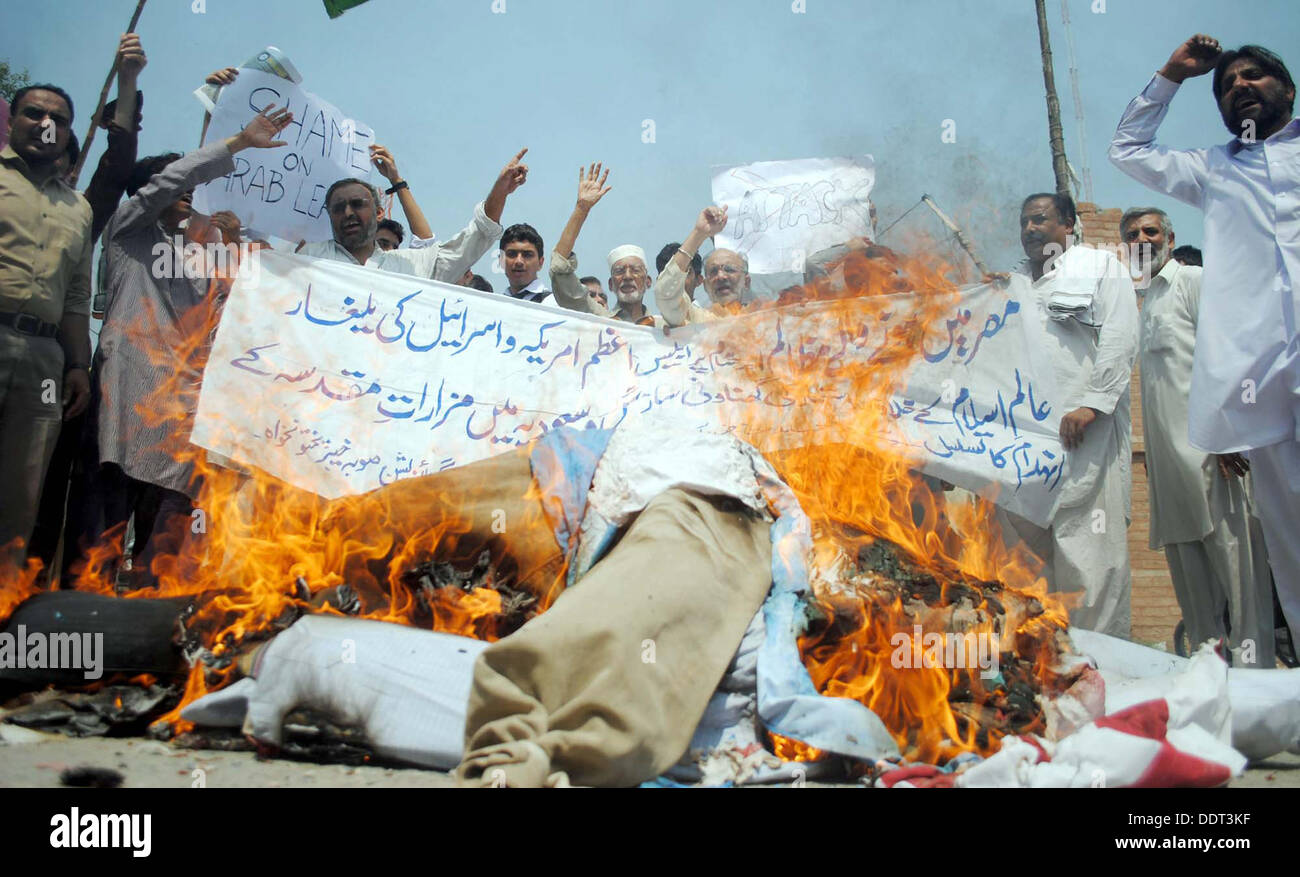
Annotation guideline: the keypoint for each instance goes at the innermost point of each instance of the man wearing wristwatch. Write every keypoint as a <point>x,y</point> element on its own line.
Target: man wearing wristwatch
<point>45,247</point>
<point>353,207</point>
<point>726,276</point>
<point>421,234</point>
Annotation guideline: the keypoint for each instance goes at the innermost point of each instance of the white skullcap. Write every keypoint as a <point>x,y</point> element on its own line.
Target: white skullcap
<point>618,254</point>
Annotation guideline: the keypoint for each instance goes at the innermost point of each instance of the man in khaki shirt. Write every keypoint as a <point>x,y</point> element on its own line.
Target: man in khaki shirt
<point>45,249</point>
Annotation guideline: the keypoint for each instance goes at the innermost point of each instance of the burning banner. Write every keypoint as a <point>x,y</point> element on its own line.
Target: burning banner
<point>848,389</point>
<point>340,380</point>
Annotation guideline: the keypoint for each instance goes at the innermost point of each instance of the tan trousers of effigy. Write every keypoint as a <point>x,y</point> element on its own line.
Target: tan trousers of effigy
<point>606,688</point>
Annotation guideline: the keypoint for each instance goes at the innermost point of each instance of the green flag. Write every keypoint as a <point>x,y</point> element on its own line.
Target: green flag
<point>335,8</point>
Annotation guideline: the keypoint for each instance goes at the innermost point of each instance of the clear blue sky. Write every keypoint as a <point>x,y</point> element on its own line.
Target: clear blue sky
<point>454,90</point>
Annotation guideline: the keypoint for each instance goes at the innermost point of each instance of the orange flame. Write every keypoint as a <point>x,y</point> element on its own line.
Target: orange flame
<point>264,536</point>
<point>855,478</point>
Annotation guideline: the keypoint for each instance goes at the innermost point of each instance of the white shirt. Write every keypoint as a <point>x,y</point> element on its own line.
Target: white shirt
<point>1185,497</point>
<point>1246,374</point>
<point>446,262</point>
<point>536,291</point>
<point>1092,363</point>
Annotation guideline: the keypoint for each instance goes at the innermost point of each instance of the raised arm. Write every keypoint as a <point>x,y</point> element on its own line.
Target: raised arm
<point>130,61</point>
<point>670,285</point>
<point>383,160</point>
<point>452,259</point>
<point>567,289</point>
<point>1178,173</point>
<point>114,169</point>
<point>512,176</point>
<point>203,164</point>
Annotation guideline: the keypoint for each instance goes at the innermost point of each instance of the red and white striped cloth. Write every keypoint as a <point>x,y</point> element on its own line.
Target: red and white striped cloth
<point>1179,740</point>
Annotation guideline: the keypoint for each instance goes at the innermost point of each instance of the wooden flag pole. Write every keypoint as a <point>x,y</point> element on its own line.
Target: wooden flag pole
<point>103,99</point>
<point>958,233</point>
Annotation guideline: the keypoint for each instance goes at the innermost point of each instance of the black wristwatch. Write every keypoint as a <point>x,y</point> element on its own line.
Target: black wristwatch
<point>398,186</point>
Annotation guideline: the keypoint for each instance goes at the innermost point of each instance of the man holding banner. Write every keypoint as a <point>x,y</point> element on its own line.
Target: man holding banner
<point>1088,308</point>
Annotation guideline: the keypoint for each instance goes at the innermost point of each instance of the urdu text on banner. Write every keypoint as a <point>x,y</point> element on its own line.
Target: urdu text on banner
<point>339,379</point>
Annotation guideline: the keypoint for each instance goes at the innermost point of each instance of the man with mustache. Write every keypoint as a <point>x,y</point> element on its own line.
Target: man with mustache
<point>1084,300</point>
<point>595,290</point>
<point>628,277</point>
<point>1245,386</point>
<point>353,207</point>
<point>1200,513</point>
<point>726,276</point>
<point>45,247</point>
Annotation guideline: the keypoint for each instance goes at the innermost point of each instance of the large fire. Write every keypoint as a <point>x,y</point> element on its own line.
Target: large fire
<point>269,549</point>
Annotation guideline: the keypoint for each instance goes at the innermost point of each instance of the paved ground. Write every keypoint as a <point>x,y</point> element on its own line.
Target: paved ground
<point>32,759</point>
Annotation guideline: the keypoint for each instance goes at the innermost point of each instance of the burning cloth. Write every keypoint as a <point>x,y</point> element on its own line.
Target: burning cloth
<point>607,687</point>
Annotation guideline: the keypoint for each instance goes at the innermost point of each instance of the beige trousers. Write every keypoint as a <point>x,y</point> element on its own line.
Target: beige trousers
<point>606,688</point>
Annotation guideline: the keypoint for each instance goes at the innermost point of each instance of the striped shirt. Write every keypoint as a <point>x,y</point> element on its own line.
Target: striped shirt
<point>145,323</point>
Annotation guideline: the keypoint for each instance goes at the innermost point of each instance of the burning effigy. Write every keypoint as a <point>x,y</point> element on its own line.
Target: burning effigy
<point>797,586</point>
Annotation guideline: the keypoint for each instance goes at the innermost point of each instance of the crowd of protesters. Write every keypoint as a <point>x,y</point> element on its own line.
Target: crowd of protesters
<point>1218,345</point>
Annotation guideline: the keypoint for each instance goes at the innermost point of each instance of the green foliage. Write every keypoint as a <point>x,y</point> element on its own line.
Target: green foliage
<point>11,81</point>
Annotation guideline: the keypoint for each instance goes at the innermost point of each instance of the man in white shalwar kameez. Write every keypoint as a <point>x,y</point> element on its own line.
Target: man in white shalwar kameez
<point>353,207</point>
<point>1200,508</point>
<point>1086,303</point>
<point>1245,391</point>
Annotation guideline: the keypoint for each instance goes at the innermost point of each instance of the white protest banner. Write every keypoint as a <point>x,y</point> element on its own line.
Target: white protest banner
<point>340,379</point>
<point>781,212</point>
<point>281,191</point>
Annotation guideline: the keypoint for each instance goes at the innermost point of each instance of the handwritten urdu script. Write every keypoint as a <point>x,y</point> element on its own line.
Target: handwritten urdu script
<point>340,379</point>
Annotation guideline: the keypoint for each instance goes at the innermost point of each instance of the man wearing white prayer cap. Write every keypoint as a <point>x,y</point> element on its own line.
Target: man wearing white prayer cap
<point>628,281</point>
<point>628,278</point>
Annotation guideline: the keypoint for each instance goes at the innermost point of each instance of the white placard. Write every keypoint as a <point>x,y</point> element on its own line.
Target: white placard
<point>281,191</point>
<point>781,212</point>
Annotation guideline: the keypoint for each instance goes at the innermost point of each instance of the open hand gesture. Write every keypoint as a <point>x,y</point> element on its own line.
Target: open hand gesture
<point>260,130</point>
<point>1194,57</point>
<point>591,185</point>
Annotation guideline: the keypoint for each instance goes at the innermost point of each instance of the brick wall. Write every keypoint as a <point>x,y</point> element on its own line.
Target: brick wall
<point>1155,609</point>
